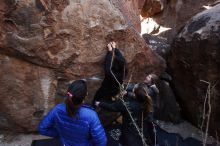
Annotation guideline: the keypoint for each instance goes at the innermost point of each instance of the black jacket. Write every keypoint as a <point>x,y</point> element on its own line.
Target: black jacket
<point>110,86</point>
<point>130,136</point>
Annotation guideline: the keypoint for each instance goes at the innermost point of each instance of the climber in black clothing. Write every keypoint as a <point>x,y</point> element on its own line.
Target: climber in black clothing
<point>140,106</point>
<point>115,67</point>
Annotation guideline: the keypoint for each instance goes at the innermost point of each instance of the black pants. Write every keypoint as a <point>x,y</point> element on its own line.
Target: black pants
<point>105,93</point>
<point>129,138</point>
<point>149,133</point>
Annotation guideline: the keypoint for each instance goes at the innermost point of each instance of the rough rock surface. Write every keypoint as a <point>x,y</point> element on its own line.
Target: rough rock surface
<point>27,93</point>
<point>158,44</point>
<point>175,14</point>
<point>62,40</point>
<point>186,130</point>
<point>168,108</point>
<point>152,8</point>
<point>131,10</point>
<point>195,57</point>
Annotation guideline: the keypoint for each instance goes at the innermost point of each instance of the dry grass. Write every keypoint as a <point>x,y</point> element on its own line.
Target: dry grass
<point>207,110</point>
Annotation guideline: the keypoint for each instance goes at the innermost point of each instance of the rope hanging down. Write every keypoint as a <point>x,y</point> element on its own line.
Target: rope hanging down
<point>121,86</point>
<point>122,93</point>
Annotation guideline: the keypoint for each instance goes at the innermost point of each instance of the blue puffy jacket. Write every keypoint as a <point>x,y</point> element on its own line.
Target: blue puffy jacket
<point>84,129</point>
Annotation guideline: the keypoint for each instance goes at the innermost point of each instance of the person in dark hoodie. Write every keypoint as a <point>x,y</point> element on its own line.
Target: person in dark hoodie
<point>115,71</point>
<point>139,105</point>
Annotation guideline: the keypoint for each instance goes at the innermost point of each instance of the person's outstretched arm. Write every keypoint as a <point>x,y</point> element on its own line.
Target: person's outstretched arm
<point>46,126</point>
<point>108,61</point>
<point>119,55</point>
<point>117,52</point>
<point>97,131</point>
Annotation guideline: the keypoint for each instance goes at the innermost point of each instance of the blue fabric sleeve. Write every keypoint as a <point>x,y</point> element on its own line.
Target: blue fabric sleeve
<point>47,125</point>
<point>97,132</point>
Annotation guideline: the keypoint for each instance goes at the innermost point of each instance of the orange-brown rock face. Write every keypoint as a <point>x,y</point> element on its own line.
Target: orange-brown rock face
<point>131,10</point>
<point>151,8</point>
<point>27,93</point>
<point>45,43</point>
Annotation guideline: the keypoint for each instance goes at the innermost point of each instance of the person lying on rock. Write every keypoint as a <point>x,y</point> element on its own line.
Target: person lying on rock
<point>74,123</point>
<point>115,71</point>
<point>139,104</point>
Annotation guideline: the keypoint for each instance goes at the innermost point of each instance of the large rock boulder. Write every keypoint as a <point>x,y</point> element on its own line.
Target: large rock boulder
<point>158,44</point>
<point>168,108</point>
<point>27,94</point>
<point>49,43</point>
<point>195,57</point>
<point>172,15</point>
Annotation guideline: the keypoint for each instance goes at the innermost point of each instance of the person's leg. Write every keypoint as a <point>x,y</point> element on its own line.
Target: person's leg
<point>103,94</point>
<point>131,139</point>
<point>98,96</point>
<point>149,133</point>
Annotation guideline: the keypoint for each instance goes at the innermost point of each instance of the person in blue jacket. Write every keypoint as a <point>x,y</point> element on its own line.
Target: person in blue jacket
<point>73,122</point>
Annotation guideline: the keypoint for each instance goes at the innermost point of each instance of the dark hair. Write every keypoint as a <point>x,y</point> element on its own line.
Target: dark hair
<point>76,93</point>
<point>141,94</point>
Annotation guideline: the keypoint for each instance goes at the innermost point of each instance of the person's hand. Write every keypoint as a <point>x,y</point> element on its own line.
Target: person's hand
<point>97,103</point>
<point>124,92</point>
<point>113,45</point>
<point>109,47</point>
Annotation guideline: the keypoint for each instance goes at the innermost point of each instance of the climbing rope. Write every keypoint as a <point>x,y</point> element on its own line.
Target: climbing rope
<point>121,86</point>
<point>122,93</point>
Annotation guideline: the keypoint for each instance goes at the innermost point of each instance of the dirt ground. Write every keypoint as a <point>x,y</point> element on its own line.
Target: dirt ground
<point>185,129</point>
